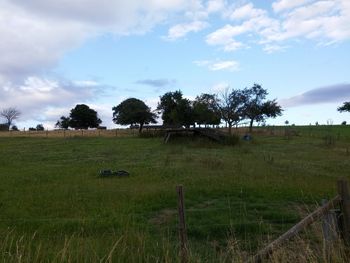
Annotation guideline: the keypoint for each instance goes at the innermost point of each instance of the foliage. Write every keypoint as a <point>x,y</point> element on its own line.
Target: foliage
<point>14,128</point>
<point>176,110</point>
<point>82,117</point>
<point>231,106</point>
<point>40,127</point>
<point>133,111</point>
<point>206,109</point>
<point>257,108</point>
<point>63,122</point>
<point>344,107</point>
<point>10,114</point>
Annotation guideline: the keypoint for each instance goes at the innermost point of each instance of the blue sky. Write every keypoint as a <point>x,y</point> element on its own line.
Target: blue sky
<point>56,54</point>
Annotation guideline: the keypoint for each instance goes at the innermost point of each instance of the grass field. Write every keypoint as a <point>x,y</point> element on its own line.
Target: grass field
<point>55,208</point>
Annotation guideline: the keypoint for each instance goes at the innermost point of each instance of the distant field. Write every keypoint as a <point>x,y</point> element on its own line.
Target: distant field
<point>55,208</point>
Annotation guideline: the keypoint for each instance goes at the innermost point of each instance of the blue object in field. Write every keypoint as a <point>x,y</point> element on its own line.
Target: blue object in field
<point>247,137</point>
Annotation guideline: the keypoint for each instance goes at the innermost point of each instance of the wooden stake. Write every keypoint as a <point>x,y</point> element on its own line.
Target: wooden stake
<point>182,224</point>
<point>343,191</point>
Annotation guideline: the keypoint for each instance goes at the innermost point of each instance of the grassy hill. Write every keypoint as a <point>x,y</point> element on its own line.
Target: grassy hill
<point>55,207</point>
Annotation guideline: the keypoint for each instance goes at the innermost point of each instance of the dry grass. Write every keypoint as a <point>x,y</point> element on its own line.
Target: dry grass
<point>71,133</point>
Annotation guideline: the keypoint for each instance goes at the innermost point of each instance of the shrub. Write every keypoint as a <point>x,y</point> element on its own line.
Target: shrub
<point>4,127</point>
<point>343,123</point>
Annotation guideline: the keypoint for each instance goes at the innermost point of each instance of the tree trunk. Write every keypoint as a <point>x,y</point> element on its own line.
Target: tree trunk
<point>140,128</point>
<point>230,128</point>
<point>251,125</point>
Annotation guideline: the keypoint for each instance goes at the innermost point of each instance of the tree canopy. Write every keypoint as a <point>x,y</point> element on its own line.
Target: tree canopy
<point>63,122</point>
<point>206,109</point>
<point>256,107</point>
<point>176,110</point>
<point>345,107</point>
<point>80,117</point>
<point>133,111</point>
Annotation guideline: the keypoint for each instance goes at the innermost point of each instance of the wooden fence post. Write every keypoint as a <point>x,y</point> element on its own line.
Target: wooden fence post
<point>182,224</point>
<point>317,214</point>
<point>343,191</point>
<point>329,230</point>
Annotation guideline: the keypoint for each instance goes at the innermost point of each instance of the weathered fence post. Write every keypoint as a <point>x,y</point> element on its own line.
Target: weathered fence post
<point>182,224</point>
<point>343,191</point>
<point>329,230</point>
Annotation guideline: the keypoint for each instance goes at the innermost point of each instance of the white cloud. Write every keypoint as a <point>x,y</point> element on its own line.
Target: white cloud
<point>229,65</point>
<point>245,12</point>
<point>225,37</point>
<point>38,97</point>
<point>181,30</point>
<point>35,34</point>
<point>214,6</point>
<point>283,5</point>
<point>326,21</point>
<point>272,48</point>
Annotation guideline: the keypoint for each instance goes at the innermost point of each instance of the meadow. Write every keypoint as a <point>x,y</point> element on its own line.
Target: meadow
<point>56,208</point>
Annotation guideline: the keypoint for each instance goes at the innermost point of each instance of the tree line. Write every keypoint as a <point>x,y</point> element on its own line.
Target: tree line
<point>231,107</point>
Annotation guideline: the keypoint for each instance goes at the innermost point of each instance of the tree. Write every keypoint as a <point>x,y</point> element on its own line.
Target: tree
<point>40,127</point>
<point>175,109</point>
<point>82,117</point>
<point>345,107</point>
<point>231,106</point>
<point>133,111</point>
<point>257,108</point>
<point>206,109</point>
<point>63,122</point>
<point>10,114</point>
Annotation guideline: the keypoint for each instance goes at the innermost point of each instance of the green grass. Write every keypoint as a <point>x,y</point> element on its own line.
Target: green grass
<point>54,205</point>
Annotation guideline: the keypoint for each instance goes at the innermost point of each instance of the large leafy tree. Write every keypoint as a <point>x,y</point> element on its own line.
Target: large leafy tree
<point>175,109</point>
<point>10,114</point>
<point>82,117</point>
<point>206,109</point>
<point>133,111</point>
<point>231,105</point>
<point>257,108</point>
<point>345,107</point>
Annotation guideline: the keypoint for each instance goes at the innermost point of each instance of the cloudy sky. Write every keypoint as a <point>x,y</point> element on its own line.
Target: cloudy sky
<point>55,54</point>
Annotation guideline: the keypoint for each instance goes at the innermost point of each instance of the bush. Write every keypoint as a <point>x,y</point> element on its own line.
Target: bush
<point>14,128</point>
<point>343,123</point>
<point>4,127</point>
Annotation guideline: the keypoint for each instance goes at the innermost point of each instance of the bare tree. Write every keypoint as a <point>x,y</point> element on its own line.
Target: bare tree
<point>10,114</point>
<point>231,106</point>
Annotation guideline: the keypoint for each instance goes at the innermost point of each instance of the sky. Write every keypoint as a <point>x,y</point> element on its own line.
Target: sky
<point>56,54</point>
